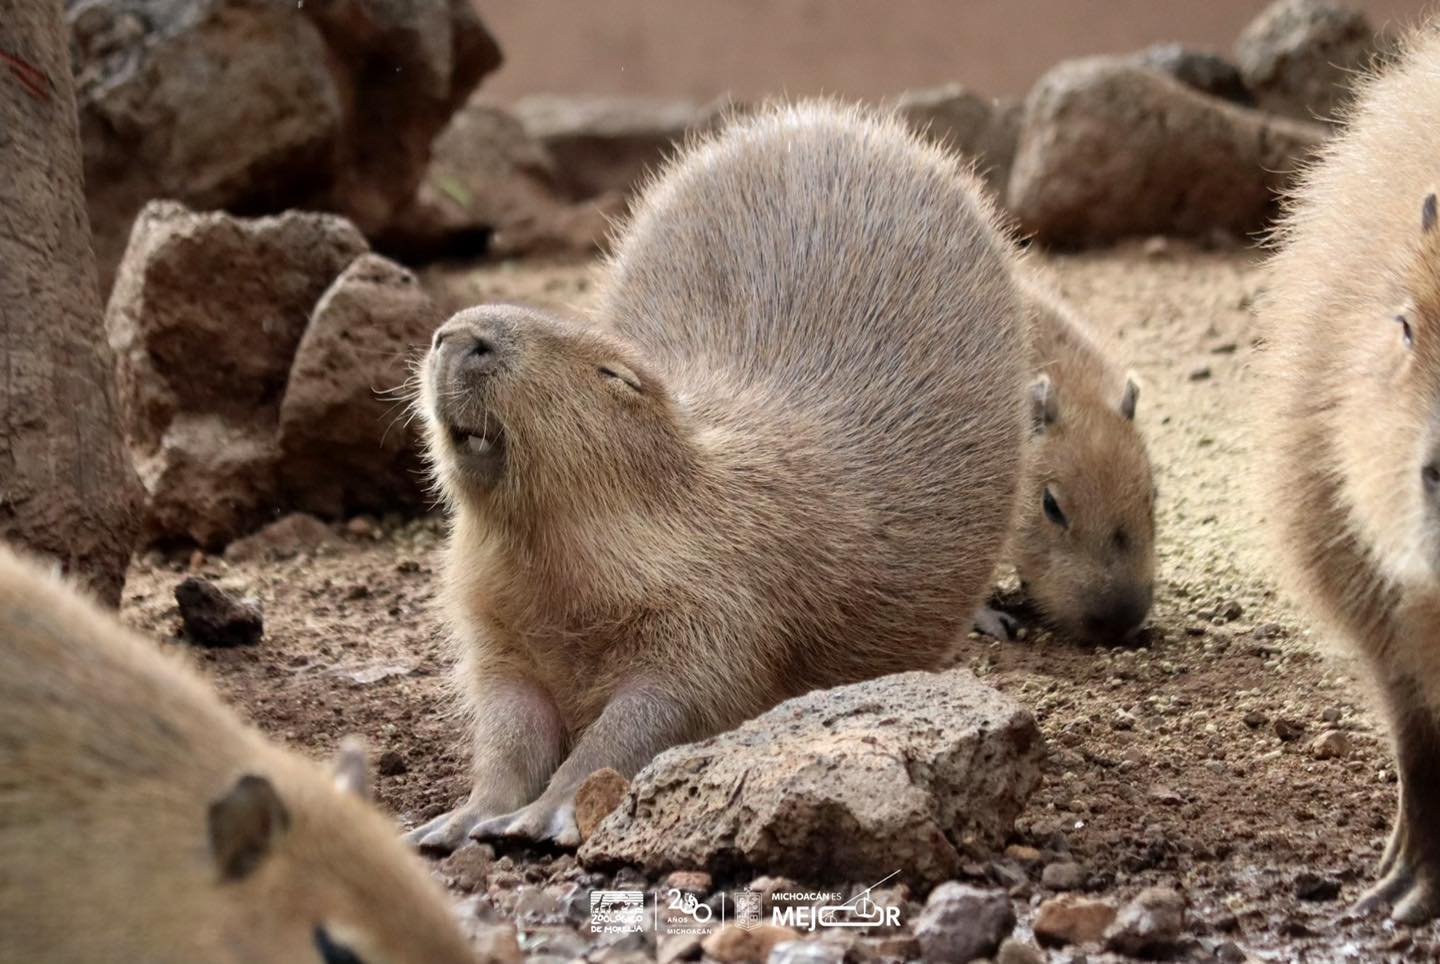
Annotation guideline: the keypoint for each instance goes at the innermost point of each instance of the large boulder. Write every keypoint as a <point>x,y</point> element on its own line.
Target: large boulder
<point>984,129</point>
<point>257,105</point>
<point>205,319</point>
<point>605,145</point>
<point>347,442</point>
<point>914,772</point>
<point>1300,57</point>
<point>1109,149</point>
<point>491,188</point>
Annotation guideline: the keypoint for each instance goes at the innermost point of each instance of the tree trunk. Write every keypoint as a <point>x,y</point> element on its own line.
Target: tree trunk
<point>67,488</point>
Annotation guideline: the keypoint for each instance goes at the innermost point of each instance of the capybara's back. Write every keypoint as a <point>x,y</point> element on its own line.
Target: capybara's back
<point>816,275</point>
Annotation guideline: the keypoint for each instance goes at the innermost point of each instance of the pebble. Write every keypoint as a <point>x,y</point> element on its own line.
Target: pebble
<point>1331,714</point>
<point>1022,854</point>
<point>1330,745</point>
<point>731,943</point>
<point>392,763</point>
<point>1066,875</point>
<point>1254,719</point>
<point>961,922</point>
<point>1288,730</point>
<point>1018,952</point>
<point>1166,796</point>
<point>600,793</point>
<point>214,617</point>
<point>1200,374</point>
<point>1152,922</point>
<point>696,882</point>
<point>1072,919</point>
<point>467,867</point>
<point>806,952</point>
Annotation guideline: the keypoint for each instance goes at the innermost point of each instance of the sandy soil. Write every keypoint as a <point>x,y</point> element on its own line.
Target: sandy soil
<point>1167,765</point>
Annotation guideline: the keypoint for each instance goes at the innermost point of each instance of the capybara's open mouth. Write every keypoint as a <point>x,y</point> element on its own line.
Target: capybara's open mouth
<point>480,451</point>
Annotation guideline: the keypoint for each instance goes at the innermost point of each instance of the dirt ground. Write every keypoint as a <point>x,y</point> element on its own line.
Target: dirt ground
<point>1167,764</point>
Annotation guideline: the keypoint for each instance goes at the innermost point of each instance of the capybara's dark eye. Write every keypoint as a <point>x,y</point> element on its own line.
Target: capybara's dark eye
<point>1052,509</point>
<point>1406,334</point>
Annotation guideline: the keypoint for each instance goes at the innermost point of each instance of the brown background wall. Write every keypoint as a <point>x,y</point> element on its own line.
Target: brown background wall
<point>860,48</point>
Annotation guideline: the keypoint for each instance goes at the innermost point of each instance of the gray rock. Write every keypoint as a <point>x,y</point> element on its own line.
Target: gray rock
<point>1018,952</point>
<point>329,105</point>
<point>1110,150</point>
<point>906,771</point>
<point>205,318</point>
<point>345,444</point>
<point>961,922</point>
<point>284,538</point>
<point>491,188</point>
<point>1064,875</point>
<point>1203,70</point>
<point>982,128</point>
<point>1150,923</point>
<point>605,145</point>
<point>1300,57</point>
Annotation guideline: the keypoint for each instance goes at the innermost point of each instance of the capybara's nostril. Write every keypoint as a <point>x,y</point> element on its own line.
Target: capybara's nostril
<point>1430,475</point>
<point>438,340</point>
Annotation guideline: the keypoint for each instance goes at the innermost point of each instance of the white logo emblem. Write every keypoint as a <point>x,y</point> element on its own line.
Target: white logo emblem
<point>617,911</point>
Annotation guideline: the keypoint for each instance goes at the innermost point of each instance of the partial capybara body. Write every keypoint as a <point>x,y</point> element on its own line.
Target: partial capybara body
<point>140,820</point>
<point>1351,425</point>
<point>1085,534</point>
<point>784,456</point>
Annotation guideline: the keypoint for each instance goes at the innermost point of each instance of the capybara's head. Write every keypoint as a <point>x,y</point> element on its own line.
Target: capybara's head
<point>528,411</point>
<point>1389,429</point>
<point>1086,535</point>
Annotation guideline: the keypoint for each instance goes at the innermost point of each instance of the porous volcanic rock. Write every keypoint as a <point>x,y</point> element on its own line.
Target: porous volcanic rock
<point>346,442</point>
<point>1109,149</point>
<point>911,772</point>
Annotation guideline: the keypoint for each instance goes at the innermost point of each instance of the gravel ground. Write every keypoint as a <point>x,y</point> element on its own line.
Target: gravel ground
<point>1208,761</point>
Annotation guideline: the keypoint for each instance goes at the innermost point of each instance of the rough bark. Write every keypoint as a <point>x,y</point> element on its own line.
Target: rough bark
<point>67,489</point>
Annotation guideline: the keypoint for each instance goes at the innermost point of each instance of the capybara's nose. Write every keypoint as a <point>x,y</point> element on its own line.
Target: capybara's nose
<point>472,346</point>
<point>1430,478</point>
<point>1118,617</point>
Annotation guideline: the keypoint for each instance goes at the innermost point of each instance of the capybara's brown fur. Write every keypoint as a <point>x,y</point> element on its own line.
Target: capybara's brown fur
<point>1351,422</point>
<point>1085,534</point>
<point>785,456</point>
<point>140,820</point>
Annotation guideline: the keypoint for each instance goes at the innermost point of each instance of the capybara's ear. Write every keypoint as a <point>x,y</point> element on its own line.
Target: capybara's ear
<point>1131,396</point>
<point>244,825</point>
<point>1044,405</point>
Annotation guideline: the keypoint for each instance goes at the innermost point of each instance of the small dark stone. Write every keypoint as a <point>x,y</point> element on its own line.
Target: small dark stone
<point>214,617</point>
<point>1309,886</point>
<point>392,764</point>
<point>1287,729</point>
